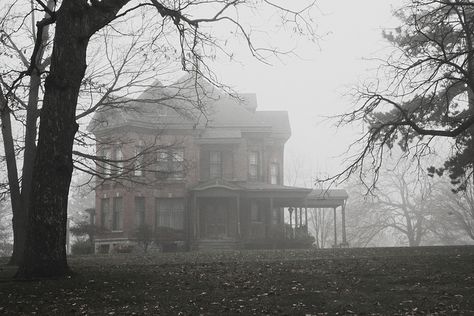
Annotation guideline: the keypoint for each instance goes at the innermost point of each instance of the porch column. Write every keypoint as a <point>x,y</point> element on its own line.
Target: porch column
<point>301,217</point>
<point>267,222</point>
<point>271,213</point>
<point>335,228</point>
<point>343,218</point>
<point>194,216</point>
<point>306,218</point>
<point>198,219</point>
<point>238,216</point>
<point>282,221</point>
<point>290,210</point>
<point>296,218</point>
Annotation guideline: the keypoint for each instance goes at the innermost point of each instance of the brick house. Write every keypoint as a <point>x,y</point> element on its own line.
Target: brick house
<point>214,179</point>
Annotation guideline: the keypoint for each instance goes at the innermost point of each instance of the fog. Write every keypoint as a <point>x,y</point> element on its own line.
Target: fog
<point>316,84</point>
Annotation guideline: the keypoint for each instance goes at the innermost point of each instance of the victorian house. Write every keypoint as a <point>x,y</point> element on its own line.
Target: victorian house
<point>195,162</point>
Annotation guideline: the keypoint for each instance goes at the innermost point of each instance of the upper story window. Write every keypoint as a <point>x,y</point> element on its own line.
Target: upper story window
<point>253,166</point>
<point>139,162</point>
<point>215,164</point>
<point>170,163</point>
<point>106,165</point>
<point>119,159</point>
<point>114,160</point>
<point>274,173</point>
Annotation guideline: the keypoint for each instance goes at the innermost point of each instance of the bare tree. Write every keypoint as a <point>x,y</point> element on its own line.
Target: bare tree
<point>321,224</point>
<point>400,204</point>
<point>75,23</point>
<point>457,211</point>
<point>117,71</point>
<point>25,99</point>
<point>424,91</point>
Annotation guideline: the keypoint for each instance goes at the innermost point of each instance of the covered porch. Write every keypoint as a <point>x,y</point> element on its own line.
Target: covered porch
<point>222,210</point>
<point>233,213</point>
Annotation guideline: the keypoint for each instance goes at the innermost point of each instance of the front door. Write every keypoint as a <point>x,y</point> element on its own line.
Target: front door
<point>216,214</point>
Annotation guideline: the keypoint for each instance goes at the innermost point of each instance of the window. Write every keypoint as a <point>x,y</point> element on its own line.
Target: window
<point>114,164</point>
<point>274,173</point>
<point>107,155</point>
<point>177,164</point>
<point>215,164</point>
<point>119,158</point>
<point>170,163</point>
<point>104,213</point>
<point>170,213</point>
<point>253,166</point>
<point>139,162</point>
<point>256,215</point>
<point>140,211</point>
<point>117,220</point>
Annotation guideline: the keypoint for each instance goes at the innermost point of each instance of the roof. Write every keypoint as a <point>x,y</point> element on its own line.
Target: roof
<point>282,195</point>
<point>176,107</point>
<point>328,194</point>
<point>326,198</point>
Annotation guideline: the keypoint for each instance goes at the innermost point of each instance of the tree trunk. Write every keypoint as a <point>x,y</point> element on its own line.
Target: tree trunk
<point>45,252</point>
<point>18,219</point>
<point>20,209</point>
<point>45,244</point>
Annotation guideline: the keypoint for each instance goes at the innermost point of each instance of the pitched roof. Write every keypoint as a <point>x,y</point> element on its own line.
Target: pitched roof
<point>190,103</point>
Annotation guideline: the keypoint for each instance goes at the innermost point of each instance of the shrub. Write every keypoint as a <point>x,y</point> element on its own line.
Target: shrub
<point>144,236</point>
<point>82,247</point>
<point>124,248</point>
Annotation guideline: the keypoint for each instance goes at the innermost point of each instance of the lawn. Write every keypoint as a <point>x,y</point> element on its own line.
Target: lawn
<point>395,281</point>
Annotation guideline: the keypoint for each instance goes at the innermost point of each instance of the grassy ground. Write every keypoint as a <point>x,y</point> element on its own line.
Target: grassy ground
<point>395,281</point>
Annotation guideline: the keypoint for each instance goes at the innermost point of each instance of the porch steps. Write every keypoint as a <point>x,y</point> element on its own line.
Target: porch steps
<point>217,245</point>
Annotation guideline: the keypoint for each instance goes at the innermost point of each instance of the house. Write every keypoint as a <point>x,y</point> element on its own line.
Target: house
<point>192,161</point>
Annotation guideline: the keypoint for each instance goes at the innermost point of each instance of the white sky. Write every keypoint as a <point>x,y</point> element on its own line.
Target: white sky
<point>313,87</point>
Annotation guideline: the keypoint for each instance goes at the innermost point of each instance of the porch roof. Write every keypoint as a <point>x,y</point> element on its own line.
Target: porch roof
<point>326,198</point>
<point>282,195</point>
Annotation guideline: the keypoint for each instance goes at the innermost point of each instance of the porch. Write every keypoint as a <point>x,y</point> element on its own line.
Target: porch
<point>223,213</point>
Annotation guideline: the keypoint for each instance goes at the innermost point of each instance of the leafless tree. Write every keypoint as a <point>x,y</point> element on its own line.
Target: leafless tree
<point>402,203</point>
<point>75,24</point>
<point>321,225</point>
<point>423,91</point>
<point>119,69</point>
<point>456,210</point>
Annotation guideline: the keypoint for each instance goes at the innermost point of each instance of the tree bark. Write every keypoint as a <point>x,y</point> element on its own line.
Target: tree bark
<point>18,219</point>
<point>20,208</point>
<point>45,251</point>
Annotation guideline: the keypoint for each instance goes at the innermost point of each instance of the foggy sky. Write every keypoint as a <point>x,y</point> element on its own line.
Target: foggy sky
<point>314,85</point>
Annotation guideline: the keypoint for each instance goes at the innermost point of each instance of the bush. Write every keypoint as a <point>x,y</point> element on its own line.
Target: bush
<point>82,247</point>
<point>124,248</point>
<point>144,236</point>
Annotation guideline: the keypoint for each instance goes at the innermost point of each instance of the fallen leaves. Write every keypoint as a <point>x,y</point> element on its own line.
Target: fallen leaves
<point>254,283</point>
